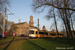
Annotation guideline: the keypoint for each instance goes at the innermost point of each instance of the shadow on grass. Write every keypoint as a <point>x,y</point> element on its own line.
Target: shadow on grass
<point>62,41</point>
<point>35,44</point>
<point>8,44</point>
<point>2,38</point>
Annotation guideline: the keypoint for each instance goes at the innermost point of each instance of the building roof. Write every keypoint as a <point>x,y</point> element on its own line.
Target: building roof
<point>25,22</point>
<point>20,23</point>
<point>33,26</point>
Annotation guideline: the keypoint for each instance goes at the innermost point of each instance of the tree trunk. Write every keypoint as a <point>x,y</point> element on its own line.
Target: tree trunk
<point>68,38</point>
<point>67,20</point>
<point>72,26</point>
<point>70,32</point>
<point>55,24</point>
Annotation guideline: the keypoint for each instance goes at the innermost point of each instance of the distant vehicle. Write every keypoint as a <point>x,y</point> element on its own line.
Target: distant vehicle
<point>61,35</point>
<point>52,34</point>
<point>22,35</point>
<point>34,33</point>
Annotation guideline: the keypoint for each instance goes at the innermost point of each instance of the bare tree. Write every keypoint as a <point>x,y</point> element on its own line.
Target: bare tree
<point>62,5</point>
<point>65,16</point>
<point>3,4</point>
<point>1,18</point>
<point>53,3</point>
<point>52,15</point>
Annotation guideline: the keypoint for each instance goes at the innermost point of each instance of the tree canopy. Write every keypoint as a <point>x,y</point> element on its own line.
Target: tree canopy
<point>58,4</point>
<point>64,9</point>
<point>3,4</point>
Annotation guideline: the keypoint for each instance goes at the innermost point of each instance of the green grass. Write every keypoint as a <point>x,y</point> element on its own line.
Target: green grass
<point>7,39</point>
<point>38,44</point>
<point>16,45</point>
<point>46,44</point>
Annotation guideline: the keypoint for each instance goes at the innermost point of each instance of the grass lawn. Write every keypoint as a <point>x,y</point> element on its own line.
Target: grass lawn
<point>7,39</point>
<point>46,44</point>
<point>39,44</point>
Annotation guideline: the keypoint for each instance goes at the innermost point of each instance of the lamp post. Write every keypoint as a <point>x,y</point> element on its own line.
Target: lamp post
<point>4,24</point>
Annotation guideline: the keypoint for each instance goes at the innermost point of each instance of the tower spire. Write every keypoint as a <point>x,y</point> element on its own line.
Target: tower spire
<point>19,21</point>
<point>31,22</point>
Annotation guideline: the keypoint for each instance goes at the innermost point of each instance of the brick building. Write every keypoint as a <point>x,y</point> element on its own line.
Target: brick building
<point>24,27</point>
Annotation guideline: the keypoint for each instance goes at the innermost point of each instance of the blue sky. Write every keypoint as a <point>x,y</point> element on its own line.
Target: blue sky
<point>23,11</point>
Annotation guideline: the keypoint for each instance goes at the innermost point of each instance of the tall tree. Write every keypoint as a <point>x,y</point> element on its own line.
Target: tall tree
<point>52,15</point>
<point>1,21</point>
<point>61,5</point>
<point>1,18</point>
<point>54,3</point>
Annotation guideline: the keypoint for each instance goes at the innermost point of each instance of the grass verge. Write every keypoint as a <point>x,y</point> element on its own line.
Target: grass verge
<point>40,44</point>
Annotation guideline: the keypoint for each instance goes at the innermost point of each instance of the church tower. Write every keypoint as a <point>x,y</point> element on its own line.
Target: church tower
<point>31,22</point>
<point>19,21</point>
